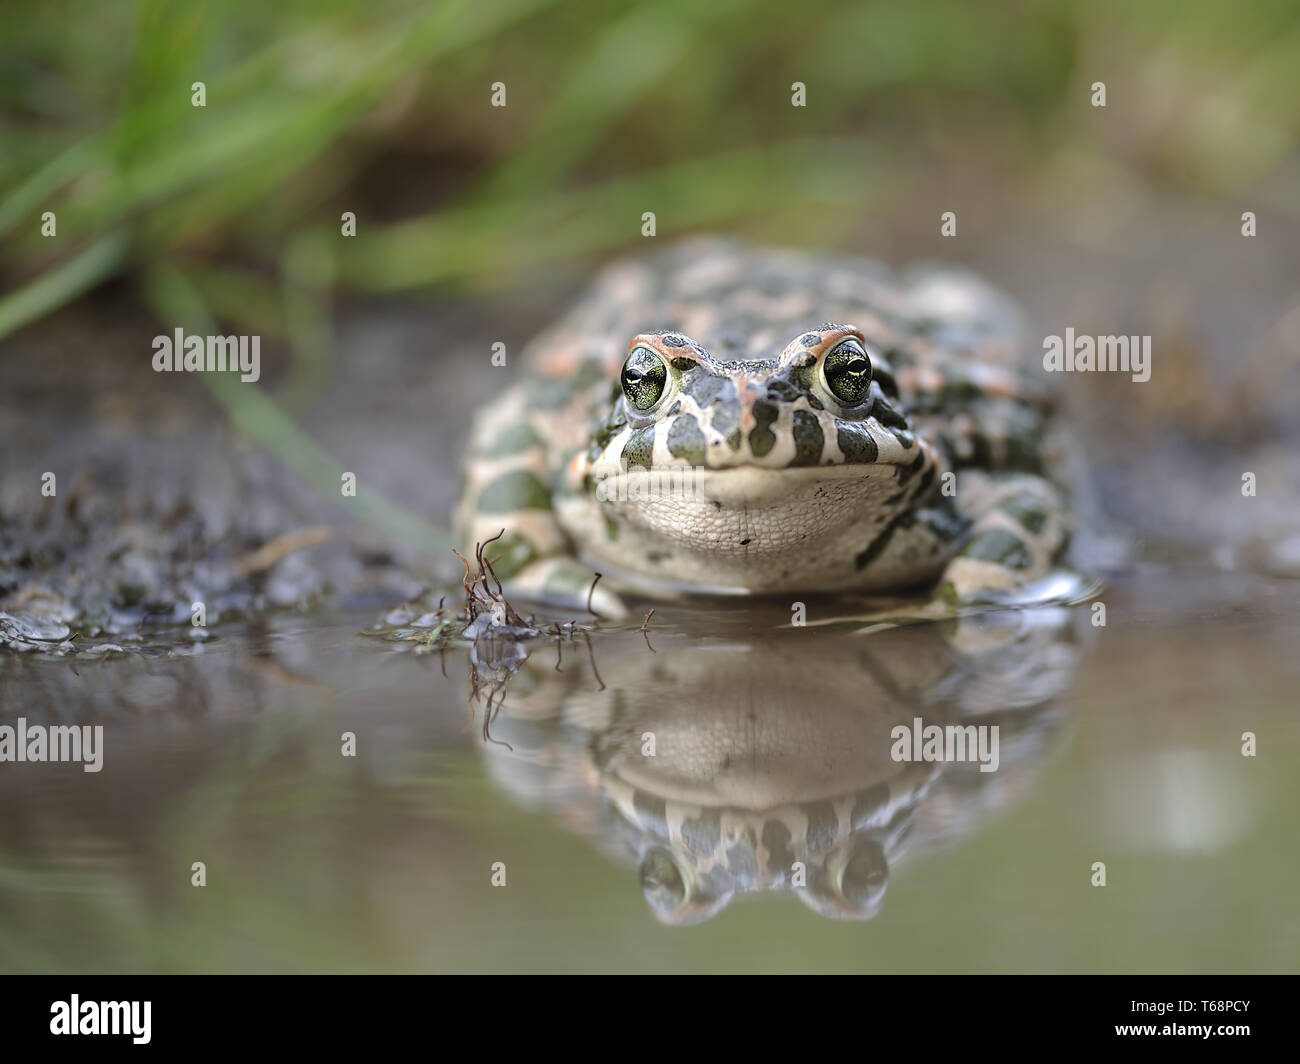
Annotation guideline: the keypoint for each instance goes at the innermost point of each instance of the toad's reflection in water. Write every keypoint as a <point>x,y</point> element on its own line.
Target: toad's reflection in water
<point>720,768</point>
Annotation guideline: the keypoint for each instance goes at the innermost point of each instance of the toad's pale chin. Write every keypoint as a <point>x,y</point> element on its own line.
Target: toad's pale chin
<point>748,511</point>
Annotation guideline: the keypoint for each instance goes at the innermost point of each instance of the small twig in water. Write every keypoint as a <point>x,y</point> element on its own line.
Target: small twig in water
<point>465,583</point>
<point>591,655</point>
<point>488,565</point>
<point>272,551</point>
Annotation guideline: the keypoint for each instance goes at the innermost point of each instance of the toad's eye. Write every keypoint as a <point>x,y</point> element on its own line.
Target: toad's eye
<point>847,372</point>
<point>643,378</point>
<point>662,883</point>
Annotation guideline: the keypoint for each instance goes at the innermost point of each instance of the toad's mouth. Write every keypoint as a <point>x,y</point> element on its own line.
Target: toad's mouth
<point>749,486</point>
<point>829,452</point>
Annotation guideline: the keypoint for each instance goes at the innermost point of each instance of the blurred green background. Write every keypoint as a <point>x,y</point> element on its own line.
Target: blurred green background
<point>613,108</point>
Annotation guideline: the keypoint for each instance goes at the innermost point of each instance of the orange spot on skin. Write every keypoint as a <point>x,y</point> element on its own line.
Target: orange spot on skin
<point>576,470</point>
<point>747,391</point>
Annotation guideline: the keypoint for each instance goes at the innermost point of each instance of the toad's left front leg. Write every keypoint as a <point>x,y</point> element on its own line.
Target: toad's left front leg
<point>1019,527</point>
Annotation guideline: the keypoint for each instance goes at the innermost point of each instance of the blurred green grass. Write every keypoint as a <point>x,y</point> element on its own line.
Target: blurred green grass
<point>613,108</point>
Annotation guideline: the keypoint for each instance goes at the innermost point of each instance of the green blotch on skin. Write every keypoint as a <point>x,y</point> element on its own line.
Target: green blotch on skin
<point>867,805</point>
<point>702,834</point>
<point>685,440</point>
<point>741,861</point>
<point>857,444</point>
<point>823,825</point>
<point>906,473</point>
<point>882,375</point>
<point>960,391</point>
<point>874,549</point>
<point>980,453</point>
<point>761,437</point>
<point>568,581</point>
<point>514,440</point>
<point>611,426</point>
<point>927,479</point>
<point>517,490</point>
<point>708,390</point>
<point>999,545</point>
<point>1022,443</point>
<point>878,545</point>
<point>509,554</point>
<point>888,416</point>
<point>725,421</point>
<point>947,594</point>
<point>776,840</point>
<point>803,377</point>
<point>638,451</point>
<point>782,391</point>
<point>1027,510</point>
<point>808,439</point>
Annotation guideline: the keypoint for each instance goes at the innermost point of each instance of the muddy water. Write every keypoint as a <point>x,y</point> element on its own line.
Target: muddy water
<point>1118,744</point>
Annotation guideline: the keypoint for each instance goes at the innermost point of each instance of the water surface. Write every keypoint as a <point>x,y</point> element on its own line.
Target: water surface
<point>1120,744</point>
